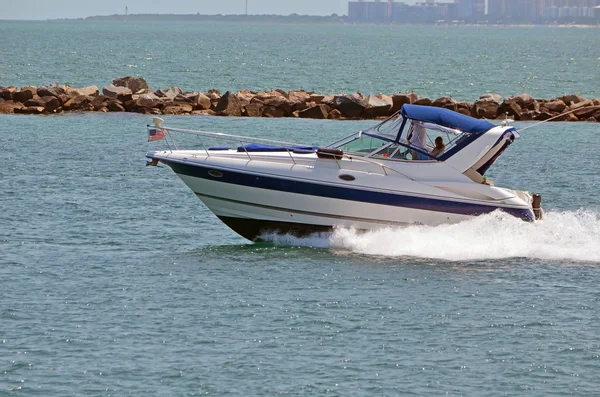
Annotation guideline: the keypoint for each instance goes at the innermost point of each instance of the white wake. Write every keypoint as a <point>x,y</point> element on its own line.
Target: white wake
<point>568,235</point>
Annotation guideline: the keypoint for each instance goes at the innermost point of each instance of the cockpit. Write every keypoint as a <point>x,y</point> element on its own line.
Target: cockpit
<point>398,138</point>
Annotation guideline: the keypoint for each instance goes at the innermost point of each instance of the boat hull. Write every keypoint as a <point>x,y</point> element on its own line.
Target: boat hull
<point>255,205</point>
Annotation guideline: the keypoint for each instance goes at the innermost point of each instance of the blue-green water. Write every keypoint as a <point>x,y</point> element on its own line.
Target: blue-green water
<point>116,280</point>
<point>434,61</point>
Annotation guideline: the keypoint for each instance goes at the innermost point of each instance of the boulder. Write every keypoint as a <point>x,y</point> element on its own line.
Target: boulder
<point>571,118</point>
<point>245,97</point>
<point>177,109</point>
<point>529,115</point>
<point>525,101</point>
<point>398,100</point>
<point>24,94</point>
<point>282,104</point>
<point>170,93</point>
<point>91,90</point>
<point>316,98</point>
<point>49,103</point>
<point>335,115</point>
<point>327,100</point>
<point>464,108</point>
<point>115,106</point>
<point>100,101</point>
<point>272,111</point>
<point>254,109</point>
<point>555,106</point>
<point>114,92</point>
<point>509,108</point>
<point>316,112</point>
<point>282,92</point>
<point>30,110</point>
<point>581,104</point>
<point>9,106</point>
<point>147,101</point>
<point>377,106</point>
<point>229,105</point>
<point>135,84</point>
<point>130,106</point>
<point>423,102</point>
<point>80,102</point>
<point>349,105</point>
<point>263,96</point>
<point>214,99</point>
<point>492,96</point>
<point>571,99</point>
<point>543,116</point>
<point>52,90</point>
<point>186,108</point>
<point>485,109</point>
<point>201,102</point>
<point>183,98</point>
<point>300,106</point>
<point>298,99</point>
<point>444,102</point>
<point>586,112</point>
<point>7,92</point>
<point>64,98</point>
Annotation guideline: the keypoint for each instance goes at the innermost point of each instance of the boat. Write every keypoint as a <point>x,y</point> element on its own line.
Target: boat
<point>391,175</point>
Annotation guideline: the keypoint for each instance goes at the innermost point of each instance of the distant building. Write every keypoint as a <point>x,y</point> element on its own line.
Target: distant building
<point>504,11</point>
<point>390,11</point>
<point>378,11</point>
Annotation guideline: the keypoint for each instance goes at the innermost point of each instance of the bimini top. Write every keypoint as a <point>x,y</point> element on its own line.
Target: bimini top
<point>446,118</point>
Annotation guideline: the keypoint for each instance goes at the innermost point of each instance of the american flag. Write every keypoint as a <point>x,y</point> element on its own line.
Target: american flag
<point>156,134</point>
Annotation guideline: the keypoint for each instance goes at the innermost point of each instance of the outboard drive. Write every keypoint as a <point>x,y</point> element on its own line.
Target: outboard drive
<point>536,205</point>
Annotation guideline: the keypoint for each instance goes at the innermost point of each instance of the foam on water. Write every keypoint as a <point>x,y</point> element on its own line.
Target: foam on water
<point>569,235</point>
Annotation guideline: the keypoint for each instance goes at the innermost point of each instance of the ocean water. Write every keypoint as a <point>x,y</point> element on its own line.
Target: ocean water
<point>116,280</point>
<point>433,61</point>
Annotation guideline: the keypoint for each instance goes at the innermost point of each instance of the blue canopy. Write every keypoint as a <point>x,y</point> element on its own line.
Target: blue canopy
<point>446,118</point>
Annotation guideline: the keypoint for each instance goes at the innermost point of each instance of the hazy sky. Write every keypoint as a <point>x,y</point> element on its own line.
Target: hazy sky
<point>50,9</point>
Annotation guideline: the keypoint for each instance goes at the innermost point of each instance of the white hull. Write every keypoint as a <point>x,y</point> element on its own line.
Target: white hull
<point>233,201</point>
<point>253,210</point>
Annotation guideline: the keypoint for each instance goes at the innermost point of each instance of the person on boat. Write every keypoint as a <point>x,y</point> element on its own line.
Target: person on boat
<point>418,139</point>
<point>439,147</point>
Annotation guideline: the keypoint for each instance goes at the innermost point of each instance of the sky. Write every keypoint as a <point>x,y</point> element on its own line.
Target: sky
<point>52,9</point>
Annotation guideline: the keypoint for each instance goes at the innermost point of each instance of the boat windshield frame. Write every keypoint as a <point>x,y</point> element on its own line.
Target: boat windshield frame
<point>388,149</point>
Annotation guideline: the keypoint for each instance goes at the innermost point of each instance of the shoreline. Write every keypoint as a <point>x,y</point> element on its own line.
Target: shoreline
<point>132,94</point>
<point>298,19</point>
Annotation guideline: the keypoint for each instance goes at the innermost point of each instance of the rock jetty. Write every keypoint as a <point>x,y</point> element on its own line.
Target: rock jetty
<point>131,94</point>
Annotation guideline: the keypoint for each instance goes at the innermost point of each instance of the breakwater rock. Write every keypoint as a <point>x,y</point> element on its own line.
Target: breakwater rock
<point>132,94</point>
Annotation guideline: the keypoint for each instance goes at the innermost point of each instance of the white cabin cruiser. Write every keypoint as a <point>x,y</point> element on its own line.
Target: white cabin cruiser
<point>390,175</point>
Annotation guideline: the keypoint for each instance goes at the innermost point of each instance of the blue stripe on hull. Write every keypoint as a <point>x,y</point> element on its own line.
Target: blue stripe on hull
<point>341,193</point>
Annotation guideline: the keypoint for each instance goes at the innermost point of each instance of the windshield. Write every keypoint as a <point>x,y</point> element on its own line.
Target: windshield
<point>363,143</point>
<point>418,141</point>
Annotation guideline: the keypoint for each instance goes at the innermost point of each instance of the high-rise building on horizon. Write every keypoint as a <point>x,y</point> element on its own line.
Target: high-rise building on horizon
<point>494,11</point>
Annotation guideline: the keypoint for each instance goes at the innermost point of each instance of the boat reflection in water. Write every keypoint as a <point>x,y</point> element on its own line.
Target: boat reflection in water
<point>393,174</point>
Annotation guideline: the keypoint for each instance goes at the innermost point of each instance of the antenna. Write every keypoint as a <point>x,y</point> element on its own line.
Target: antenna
<point>126,10</point>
